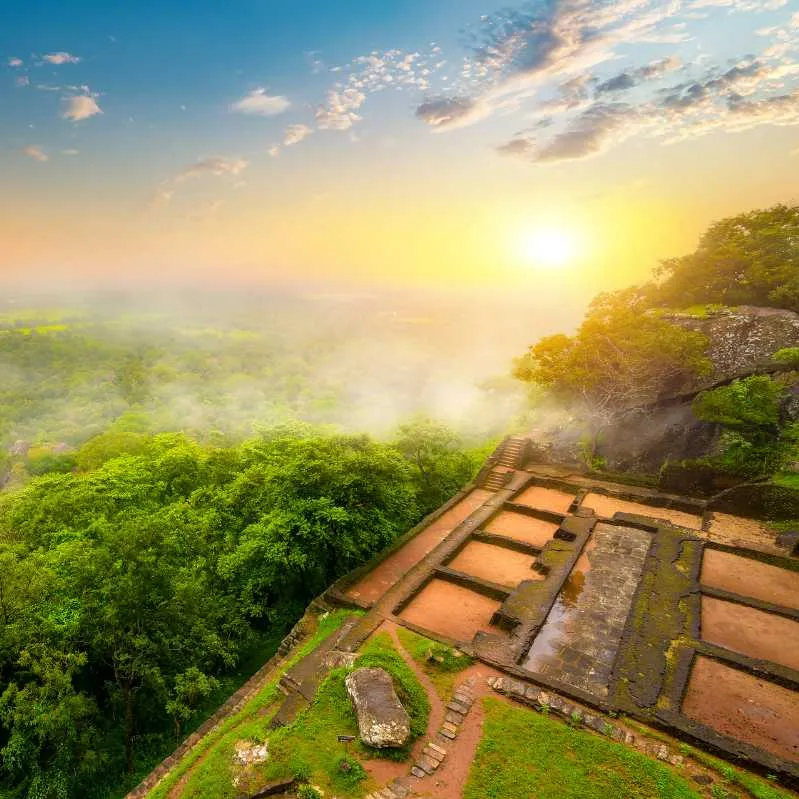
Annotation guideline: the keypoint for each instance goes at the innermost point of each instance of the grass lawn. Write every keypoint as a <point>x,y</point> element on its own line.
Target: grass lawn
<point>524,754</point>
<point>208,764</point>
<point>445,666</point>
<point>308,747</point>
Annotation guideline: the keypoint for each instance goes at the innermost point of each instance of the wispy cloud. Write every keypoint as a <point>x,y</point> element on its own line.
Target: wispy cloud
<point>35,152</point>
<point>443,113</point>
<point>630,78</point>
<point>551,61</point>
<point>60,58</point>
<point>80,107</point>
<point>70,151</point>
<point>215,166</point>
<point>15,62</point>
<point>259,103</point>
<point>294,134</point>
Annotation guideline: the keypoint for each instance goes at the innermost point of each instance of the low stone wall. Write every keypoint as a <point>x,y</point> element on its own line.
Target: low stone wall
<point>758,501</point>
<point>233,704</point>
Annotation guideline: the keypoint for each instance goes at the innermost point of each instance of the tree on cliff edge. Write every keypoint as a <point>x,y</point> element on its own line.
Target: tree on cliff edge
<point>749,259</point>
<point>618,361</point>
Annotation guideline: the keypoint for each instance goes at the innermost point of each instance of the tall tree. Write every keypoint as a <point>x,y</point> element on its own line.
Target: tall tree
<point>618,361</point>
<point>748,259</point>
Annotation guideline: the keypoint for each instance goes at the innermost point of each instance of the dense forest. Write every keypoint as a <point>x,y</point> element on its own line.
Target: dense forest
<point>136,591</point>
<point>216,368</point>
<point>165,518</point>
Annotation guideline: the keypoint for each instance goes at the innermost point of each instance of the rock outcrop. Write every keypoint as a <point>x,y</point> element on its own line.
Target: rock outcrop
<point>743,338</point>
<point>742,342</point>
<point>382,720</point>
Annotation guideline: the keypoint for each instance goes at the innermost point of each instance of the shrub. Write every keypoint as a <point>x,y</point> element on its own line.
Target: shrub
<point>787,355</point>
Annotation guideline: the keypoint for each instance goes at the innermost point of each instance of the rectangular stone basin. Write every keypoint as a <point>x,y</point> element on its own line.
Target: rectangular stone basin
<point>750,631</point>
<point>607,506</point>
<point>496,564</point>
<point>545,499</point>
<point>522,528</point>
<point>750,578</point>
<point>451,610</point>
<point>744,707</point>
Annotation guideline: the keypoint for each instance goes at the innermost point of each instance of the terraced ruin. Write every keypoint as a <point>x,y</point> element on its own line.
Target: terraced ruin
<point>623,598</point>
<point>622,610</point>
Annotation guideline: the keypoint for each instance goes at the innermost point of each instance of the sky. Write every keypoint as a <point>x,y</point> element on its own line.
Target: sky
<point>409,143</point>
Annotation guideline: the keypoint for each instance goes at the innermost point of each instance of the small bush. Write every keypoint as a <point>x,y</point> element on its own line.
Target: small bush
<point>787,355</point>
<point>306,791</point>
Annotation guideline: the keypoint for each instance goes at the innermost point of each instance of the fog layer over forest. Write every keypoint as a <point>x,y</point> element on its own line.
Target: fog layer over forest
<point>219,365</point>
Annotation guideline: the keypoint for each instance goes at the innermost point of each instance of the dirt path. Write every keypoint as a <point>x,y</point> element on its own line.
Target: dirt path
<point>384,771</point>
<point>448,781</point>
<point>392,569</point>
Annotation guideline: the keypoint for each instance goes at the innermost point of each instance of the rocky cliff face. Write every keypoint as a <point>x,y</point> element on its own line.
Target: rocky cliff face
<point>742,338</point>
<point>742,341</point>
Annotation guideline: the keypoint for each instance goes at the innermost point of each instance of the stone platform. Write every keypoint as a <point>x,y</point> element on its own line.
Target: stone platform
<point>596,590</point>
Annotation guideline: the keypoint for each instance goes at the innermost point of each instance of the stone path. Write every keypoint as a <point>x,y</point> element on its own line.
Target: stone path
<point>577,644</point>
<point>435,751</point>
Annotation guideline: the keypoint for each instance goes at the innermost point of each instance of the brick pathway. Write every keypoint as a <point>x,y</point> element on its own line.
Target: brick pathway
<point>577,644</point>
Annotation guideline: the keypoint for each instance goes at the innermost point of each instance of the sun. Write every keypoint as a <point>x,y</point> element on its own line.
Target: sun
<point>550,247</point>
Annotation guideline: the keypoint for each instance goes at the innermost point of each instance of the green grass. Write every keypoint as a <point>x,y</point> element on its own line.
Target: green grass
<point>735,777</point>
<point>788,479</point>
<point>308,747</point>
<point>524,754</point>
<point>216,749</point>
<point>445,666</point>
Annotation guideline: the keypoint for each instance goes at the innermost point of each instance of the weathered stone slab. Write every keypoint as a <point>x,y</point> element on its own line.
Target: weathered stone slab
<point>382,720</point>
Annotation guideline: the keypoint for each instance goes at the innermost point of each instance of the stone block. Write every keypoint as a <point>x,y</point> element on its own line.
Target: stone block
<point>417,772</point>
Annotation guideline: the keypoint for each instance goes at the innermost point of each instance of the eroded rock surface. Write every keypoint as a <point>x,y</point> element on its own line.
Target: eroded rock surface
<point>382,720</point>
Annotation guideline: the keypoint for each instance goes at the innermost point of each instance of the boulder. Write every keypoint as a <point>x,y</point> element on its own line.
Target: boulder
<point>382,720</point>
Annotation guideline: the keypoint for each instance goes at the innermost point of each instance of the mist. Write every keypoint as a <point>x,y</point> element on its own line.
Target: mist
<point>219,364</point>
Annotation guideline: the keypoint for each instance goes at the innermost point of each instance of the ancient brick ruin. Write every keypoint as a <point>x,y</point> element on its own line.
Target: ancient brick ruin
<point>621,598</point>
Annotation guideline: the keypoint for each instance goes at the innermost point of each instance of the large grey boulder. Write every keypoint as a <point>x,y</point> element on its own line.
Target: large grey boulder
<point>382,720</point>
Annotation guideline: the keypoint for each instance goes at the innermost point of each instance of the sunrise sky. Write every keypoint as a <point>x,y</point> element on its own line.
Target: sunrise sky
<point>386,142</point>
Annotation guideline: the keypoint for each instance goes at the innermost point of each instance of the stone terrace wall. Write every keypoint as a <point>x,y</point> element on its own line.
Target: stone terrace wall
<point>233,704</point>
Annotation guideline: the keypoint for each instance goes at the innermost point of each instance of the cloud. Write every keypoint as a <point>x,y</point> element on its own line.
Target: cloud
<point>377,71</point>
<point>60,58</point>
<point>35,152</point>
<point>444,113</point>
<point>214,166</point>
<point>294,134</point>
<point>340,109</point>
<point>259,103</point>
<point>15,62</point>
<point>518,147</point>
<point>79,107</point>
<point>274,150</point>
<point>70,151</point>
<point>631,78</point>
<point>593,132</point>
<point>22,81</point>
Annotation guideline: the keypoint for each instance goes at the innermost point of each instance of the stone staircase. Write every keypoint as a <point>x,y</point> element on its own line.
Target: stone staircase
<point>497,478</point>
<point>512,452</point>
